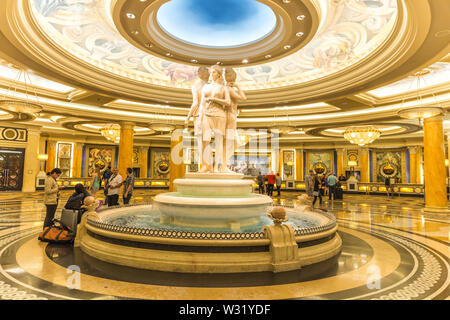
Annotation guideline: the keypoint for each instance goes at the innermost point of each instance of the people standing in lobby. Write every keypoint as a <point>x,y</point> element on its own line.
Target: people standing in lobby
<point>114,184</point>
<point>332,180</point>
<point>260,180</point>
<point>105,177</point>
<point>325,184</point>
<point>95,181</point>
<point>317,190</point>
<point>278,183</point>
<point>51,195</point>
<point>387,183</point>
<point>342,178</point>
<point>270,182</point>
<point>309,183</point>
<point>128,186</point>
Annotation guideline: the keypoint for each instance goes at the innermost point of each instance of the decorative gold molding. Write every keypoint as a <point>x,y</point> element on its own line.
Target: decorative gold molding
<point>406,40</point>
<point>144,32</point>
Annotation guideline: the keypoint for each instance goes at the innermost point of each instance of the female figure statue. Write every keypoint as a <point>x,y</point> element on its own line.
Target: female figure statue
<point>195,112</point>
<point>236,95</point>
<point>214,104</point>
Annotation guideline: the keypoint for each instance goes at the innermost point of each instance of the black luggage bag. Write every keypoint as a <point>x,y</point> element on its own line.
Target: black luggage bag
<point>339,194</point>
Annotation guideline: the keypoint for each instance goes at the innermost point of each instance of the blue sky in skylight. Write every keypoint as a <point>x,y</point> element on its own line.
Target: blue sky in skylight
<point>217,23</point>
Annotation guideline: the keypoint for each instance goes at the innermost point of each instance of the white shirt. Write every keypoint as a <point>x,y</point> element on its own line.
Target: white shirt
<point>117,180</point>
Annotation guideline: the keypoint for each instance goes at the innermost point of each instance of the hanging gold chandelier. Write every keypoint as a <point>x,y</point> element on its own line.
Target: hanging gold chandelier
<point>111,132</point>
<point>162,127</point>
<point>22,109</point>
<point>420,111</point>
<point>362,135</point>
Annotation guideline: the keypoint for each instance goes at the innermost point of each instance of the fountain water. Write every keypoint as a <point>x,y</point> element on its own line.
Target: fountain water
<point>217,201</point>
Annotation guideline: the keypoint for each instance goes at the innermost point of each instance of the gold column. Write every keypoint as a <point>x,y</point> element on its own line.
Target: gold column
<point>434,167</point>
<point>340,161</point>
<point>419,165</point>
<point>126,147</point>
<point>403,164</point>
<point>144,162</point>
<point>51,152</point>
<point>299,164</point>
<point>77,155</point>
<point>448,155</point>
<point>364,154</point>
<point>280,164</point>
<point>412,164</point>
<point>31,162</point>
<point>177,166</point>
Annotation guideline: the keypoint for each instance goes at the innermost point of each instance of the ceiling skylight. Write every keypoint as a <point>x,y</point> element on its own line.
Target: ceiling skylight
<point>218,23</point>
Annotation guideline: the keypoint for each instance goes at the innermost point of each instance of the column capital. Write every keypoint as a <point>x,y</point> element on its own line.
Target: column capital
<point>413,149</point>
<point>126,125</point>
<point>364,150</point>
<point>438,118</point>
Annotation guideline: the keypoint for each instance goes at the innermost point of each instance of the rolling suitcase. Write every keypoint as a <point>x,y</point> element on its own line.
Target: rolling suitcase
<point>339,194</point>
<point>69,218</point>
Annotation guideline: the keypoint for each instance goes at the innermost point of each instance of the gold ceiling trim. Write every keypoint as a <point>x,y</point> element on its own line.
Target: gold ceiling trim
<point>80,126</point>
<point>31,42</point>
<point>290,34</point>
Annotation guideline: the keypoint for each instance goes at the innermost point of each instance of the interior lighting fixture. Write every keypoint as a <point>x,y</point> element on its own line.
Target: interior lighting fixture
<point>362,135</point>
<point>111,132</point>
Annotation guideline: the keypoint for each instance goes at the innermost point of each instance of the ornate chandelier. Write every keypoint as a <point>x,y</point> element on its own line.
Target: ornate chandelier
<point>362,136</point>
<point>162,127</point>
<point>420,112</point>
<point>415,113</point>
<point>111,132</point>
<point>21,109</point>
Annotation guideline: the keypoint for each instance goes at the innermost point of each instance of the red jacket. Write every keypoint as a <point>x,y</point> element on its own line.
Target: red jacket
<point>271,178</point>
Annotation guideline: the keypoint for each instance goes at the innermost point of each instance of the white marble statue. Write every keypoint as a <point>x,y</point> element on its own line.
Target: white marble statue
<point>214,105</point>
<point>236,95</point>
<point>195,112</point>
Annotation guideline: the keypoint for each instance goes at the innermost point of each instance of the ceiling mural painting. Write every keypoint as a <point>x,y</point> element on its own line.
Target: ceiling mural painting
<point>350,31</point>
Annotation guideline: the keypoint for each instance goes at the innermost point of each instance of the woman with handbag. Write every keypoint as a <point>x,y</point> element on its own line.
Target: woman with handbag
<point>317,193</point>
<point>51,196</point>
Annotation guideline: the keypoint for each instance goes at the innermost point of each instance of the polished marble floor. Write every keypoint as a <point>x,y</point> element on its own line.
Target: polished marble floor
<point>390,251</point>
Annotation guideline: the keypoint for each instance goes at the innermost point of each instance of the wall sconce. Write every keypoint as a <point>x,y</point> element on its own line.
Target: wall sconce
<point>352,163</point>
<point>42,157</point>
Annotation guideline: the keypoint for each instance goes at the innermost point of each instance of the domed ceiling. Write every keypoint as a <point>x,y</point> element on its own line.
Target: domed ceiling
<point>310,64</point>
<point>348,32</point>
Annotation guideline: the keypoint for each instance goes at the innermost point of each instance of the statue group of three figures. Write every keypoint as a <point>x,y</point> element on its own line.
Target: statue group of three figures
<point>214,111</point>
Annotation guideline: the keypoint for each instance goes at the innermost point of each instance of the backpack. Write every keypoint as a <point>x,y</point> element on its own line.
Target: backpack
<point>57,233</point>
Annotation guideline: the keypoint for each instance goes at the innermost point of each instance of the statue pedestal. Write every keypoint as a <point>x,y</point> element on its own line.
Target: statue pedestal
<point>216,200</point>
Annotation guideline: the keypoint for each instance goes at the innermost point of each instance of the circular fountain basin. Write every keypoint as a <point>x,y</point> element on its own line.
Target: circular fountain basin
<point>139,237</point>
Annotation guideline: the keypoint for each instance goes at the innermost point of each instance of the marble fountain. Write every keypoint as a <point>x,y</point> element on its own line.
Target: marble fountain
<point>213,223</point>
